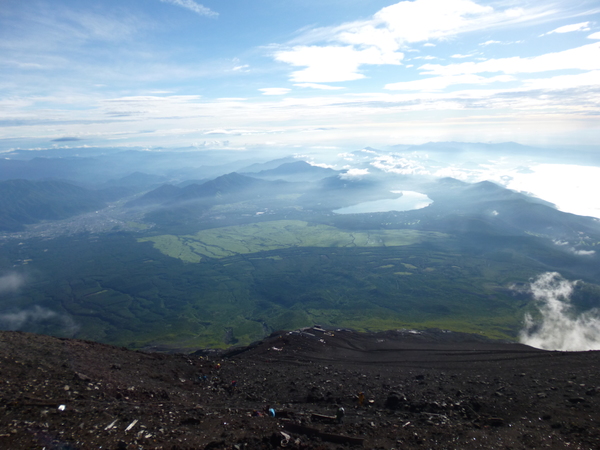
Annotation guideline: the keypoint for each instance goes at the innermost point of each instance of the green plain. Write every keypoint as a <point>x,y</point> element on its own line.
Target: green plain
<point>275,235</point>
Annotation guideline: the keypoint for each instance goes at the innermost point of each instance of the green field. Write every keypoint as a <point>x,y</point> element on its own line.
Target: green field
<point>233,285</point>
<point>276,235</point>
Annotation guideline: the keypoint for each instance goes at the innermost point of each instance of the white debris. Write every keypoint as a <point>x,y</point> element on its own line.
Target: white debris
<point>131,425</point>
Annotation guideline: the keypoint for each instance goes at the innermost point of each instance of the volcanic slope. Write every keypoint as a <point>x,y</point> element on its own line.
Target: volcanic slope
<point>428,389</point>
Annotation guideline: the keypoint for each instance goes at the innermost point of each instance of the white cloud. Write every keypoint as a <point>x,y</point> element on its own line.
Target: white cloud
<point>25,319</point>
<point>353,173</point>
<point>584,252</point>
<point>378,40</point>
<point>238,132</point>
<point>193,6</point>
<point>591,78</point>
<point>213,145</point>
<point>440,83</point>
<point>241,68</point>
<point>490,42</point>
<point>222,131</point>
<point>231,99</point>
<point>459,173</point>
<point>145,105</point>
<point>558,327</point>
<point>400,165</point>
<point>586,57</point>
<point>583,26</point>
<point>318,86</point>
<point>428,44</point>
<point>459,56</point>
<point>423,20</point>
<point>11,282</point>
<point>581,180</point>
<point>16,320</point>
<point>573,250</point>
<point>333,63</point>
<point>322,165</point>
<point>274,91</point>
<point>594,35</point>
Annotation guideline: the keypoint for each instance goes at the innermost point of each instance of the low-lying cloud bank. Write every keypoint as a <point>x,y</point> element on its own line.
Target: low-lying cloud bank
<point>30,318</point>
<point>16,320</point>
<point>559,327</point>
<point>11,282</point>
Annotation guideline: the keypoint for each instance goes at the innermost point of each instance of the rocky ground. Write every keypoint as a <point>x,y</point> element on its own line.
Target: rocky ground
<point>433,389</point>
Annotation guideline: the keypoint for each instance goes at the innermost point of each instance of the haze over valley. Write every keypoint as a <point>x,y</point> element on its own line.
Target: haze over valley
<point>192,254</point>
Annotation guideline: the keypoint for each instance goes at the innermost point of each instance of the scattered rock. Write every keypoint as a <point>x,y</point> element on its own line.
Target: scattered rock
<point>419,392</point>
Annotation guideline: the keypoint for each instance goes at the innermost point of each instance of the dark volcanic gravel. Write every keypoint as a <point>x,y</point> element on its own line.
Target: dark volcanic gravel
<point>433,390</point>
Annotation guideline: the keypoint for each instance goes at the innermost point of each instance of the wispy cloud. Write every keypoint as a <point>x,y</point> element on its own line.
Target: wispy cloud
<point>11,282</point>
<point>274,91</point>
<point>584,252</point>
<point>45,28</point>
<point>338,53</point>
<point>439,83</point>
<point>193,6</point>
<point>130,69</point>
<point>490,42</point>
<point>557,326</point>
<point>28,319</point>
<point>562,82</point>
<point>177,118</point>
<point>583,26</point>
<point>586,57</point>
<point>16,320</point>
<point>324,87</point>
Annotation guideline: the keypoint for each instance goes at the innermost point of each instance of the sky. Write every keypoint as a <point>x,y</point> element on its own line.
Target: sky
<point>235,74</point>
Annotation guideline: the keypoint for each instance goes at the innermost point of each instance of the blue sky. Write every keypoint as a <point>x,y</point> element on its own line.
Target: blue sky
<point>235,74</point>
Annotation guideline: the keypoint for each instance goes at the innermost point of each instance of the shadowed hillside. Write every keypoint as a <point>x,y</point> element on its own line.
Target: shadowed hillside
<point>24,202</point>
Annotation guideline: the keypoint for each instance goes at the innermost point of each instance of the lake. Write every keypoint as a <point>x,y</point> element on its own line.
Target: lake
<point>410,200</point>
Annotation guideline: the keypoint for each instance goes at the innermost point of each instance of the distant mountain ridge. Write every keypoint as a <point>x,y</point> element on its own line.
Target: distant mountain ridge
<point>24,202</point>
<point>296,171</point>
<point>231,183</point>
<point>273,164</point>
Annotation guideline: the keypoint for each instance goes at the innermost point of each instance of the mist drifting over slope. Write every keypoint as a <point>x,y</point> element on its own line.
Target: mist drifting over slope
<point>559,327</point>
